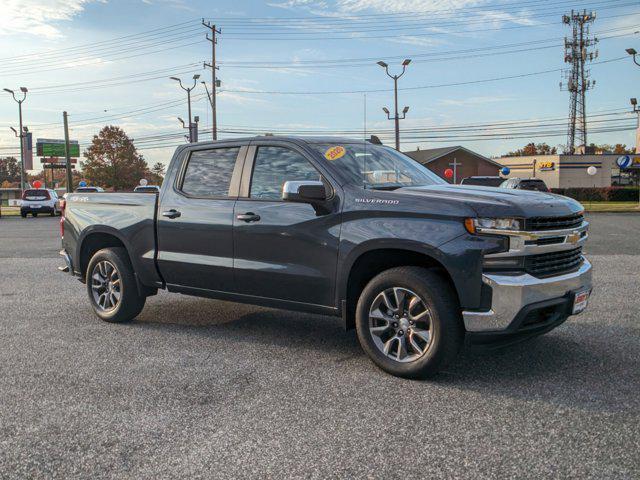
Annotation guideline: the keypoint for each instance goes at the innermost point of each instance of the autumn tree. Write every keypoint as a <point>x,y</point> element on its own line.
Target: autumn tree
<point>112,161</point>
<point>618,148</point>
<point>533,149</point>
<point>158,169</point>
<point>9,170</point>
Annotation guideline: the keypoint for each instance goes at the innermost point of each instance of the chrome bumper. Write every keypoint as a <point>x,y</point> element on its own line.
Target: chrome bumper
<point>510,294</point>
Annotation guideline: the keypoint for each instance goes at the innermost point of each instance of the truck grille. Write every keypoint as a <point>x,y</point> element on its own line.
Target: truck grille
<point>554,223</point>
<point>555,263</point>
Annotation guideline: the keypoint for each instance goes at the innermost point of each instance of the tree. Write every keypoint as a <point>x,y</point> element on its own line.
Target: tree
<point>533,149</point>
<point>112,161</point>
<point>158,169</point>
<point>9,170</point>
<point>618,148</point>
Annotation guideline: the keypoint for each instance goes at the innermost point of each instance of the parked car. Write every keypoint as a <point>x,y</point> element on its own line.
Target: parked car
<point>89,189</point>
<point>39,200</point>
<point>414,264</point>
<point>147,189</point>
<point>483,181</point>
<point>525,184</point>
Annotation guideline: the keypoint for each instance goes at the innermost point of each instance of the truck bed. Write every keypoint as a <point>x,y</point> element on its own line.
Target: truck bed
<point>129,217</point>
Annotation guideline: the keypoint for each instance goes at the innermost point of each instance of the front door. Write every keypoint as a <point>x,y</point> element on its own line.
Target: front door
<point>195,220</point>
<point>283,250</point>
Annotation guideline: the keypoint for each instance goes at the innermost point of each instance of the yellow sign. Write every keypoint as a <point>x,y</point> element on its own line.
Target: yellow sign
<point>335,153</point>
<point>547,165</point>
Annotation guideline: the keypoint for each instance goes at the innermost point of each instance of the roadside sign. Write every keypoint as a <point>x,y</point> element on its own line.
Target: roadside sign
<point>47,147</point>
<point>628,161</point>
<point>624,161</point>
<point>28,151</point>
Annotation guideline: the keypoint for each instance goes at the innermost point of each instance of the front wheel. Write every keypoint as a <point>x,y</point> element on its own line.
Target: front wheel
<point>408,322</point>
<point>112,287</point>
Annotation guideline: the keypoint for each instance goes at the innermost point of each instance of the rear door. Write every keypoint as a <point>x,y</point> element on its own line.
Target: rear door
<point>195,219</point>
<point>284,250</point>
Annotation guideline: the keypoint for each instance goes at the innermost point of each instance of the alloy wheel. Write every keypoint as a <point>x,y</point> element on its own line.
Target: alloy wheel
<point>400,324</point>
<point>106,286</point>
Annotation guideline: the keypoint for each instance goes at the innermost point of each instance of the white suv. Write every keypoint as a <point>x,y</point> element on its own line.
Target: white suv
<point>39,200</point>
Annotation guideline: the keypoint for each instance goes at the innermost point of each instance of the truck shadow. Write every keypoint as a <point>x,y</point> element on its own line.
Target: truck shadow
<point>573,366</point>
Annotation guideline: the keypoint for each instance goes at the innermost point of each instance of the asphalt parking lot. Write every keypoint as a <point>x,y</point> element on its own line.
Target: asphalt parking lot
<point>198,388</point>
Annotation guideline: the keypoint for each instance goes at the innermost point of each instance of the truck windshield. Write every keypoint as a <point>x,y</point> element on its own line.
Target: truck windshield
<point>376,166</point>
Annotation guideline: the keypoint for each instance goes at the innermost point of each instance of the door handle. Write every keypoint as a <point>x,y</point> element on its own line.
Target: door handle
<point>248,217</point>
<point>173,213</point>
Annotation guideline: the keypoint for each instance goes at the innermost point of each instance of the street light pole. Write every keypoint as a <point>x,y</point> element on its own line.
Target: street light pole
<point>396,117</point>
<point>188,90</point>
<point>22,135</point>
<point>633,53</point>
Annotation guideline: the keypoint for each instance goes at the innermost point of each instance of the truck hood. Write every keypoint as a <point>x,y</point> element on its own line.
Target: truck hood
<point>499,202</point>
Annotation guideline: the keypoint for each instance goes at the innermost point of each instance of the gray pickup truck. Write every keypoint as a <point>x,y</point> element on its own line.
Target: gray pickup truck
<point>340,227</point>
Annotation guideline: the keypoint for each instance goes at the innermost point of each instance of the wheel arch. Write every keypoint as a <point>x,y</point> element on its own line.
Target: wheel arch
<point>96,238</point>
<point>376,257</point>
<point>101,236</point>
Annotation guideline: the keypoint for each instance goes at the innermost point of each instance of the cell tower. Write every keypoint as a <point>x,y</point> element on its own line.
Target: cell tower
<point>577,78</point>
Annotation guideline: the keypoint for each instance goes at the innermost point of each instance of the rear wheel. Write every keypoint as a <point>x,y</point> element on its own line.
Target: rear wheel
<point>112,287</point>
<point>23,214</point>
<point>408,322</point>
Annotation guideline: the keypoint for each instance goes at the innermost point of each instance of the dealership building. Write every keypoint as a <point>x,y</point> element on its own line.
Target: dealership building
<point>570,171</point>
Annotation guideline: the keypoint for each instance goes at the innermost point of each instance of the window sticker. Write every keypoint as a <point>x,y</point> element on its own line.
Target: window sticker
<point>335,153</point>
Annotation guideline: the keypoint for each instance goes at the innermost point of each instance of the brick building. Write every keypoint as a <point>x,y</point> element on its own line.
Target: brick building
<point>468,163</point>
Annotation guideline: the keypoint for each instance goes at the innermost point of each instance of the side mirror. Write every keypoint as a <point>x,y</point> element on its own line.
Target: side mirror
<point>309,191</point>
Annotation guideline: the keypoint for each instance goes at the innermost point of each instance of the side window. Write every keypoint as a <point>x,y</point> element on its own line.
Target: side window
<point>208,172</point>
<point>274,166</point>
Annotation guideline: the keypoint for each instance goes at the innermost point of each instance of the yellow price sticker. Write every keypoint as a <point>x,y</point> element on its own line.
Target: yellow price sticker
<point>335,153</point>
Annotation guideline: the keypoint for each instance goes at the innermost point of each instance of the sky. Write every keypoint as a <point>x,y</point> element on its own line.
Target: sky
<point>309,66</point>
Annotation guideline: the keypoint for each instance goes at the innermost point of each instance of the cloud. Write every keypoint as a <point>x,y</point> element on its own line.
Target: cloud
<point>38,17</point>
<point>177,4</point>
<point>403,6</point>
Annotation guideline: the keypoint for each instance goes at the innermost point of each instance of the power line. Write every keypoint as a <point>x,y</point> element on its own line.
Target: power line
<point>161,31</point>
<point>379,90</point>
<point>324,27</point>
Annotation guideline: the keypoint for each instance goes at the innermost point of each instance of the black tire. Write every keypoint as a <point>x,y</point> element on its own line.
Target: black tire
<point>35,215</point>
<point>130,302</point>
<point>23,215</point>
<point>53,213</point>
<point>446,332</point>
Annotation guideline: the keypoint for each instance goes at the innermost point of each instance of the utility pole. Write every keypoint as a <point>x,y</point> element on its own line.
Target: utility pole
<point>396,117</point>
<point>634,102</point>
<point>577,77</point>
<point>214,81</point>
<point>67,153</point>
<point>21,135</point>
<point>188,90</point>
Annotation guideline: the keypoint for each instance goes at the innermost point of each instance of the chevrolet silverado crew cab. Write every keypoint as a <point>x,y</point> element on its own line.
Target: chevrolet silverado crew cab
<point>341,227</point>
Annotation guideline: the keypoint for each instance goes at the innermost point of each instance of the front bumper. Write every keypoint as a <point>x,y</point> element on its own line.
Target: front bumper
<point>515,299</point>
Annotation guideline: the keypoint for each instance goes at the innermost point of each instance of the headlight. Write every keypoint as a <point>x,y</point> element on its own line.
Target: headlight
<point>478,225</point>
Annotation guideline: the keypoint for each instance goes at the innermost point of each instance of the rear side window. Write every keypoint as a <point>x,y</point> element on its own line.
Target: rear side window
<point>274,166</point>
<point>208,172</point>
